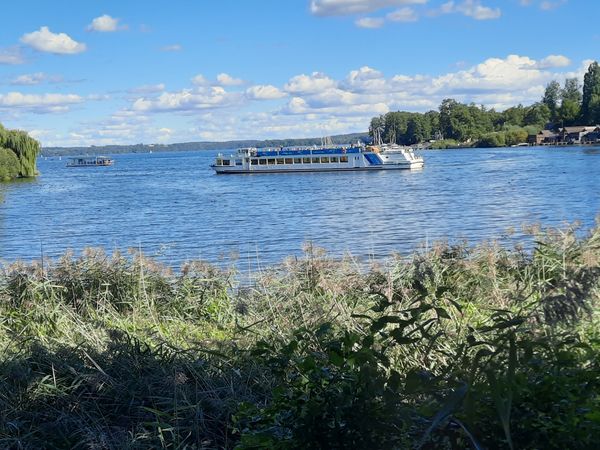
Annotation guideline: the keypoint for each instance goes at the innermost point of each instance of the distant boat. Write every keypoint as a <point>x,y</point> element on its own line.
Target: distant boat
<point>90,161</point>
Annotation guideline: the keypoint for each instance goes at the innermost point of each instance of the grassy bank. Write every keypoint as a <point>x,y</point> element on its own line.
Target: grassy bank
<point>458,347</point>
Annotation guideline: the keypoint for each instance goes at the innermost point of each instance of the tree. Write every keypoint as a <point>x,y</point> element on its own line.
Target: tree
<point>571,91</point>
<point>415,131</point>
<point>25,148</point>
<point>513,116</point>
<point>537,114</point>
<point>590,106</point>
<point>551,98</point>
<point>570,107</point>
<point>9,165</point>
<point>377,128</point>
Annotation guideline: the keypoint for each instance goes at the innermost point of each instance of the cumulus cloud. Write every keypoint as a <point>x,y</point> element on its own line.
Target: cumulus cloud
<point>148,89</point>
<point>44,40</point>
<point>225,79</point>
<point>32,79</point>
<point>349,7</point>
<point>307,84</point>
<point>369,22</point>
<point>40,103</point>
<point>549,5</point>
<point>11,55</point>
<point>200,80</point>
<point>469,8</point>
<point>365,79</point>
<point>189,100</point>
<point>551,61</point>
<point>105,24</point>
<point>264,92</point>
<point>405,14</point>
<point>316,104</point>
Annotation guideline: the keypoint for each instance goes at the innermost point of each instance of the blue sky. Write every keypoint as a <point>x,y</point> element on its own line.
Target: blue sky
<point>123,72</point>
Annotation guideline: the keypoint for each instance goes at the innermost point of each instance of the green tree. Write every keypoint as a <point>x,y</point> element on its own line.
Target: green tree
<point>590,106</point>
<point>24,147</point>
<point>537,114</point>
<point>9,165</point>
<point>415,132</point>
<point>551,98</point>
<point>570,107</point>
<point>376,128</point>
<point>513,116</point>
<point>571,91</point>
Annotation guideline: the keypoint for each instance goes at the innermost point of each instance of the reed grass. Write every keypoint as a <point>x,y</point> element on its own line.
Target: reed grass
<point>453,347</point>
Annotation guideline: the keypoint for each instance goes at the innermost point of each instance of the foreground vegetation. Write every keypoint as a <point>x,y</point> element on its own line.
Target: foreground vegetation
<point>458,124</point>
<point>454,347</point>
<point>18,153</point>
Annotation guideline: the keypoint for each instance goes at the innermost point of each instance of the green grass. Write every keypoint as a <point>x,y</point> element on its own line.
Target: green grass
<point>456,347</point>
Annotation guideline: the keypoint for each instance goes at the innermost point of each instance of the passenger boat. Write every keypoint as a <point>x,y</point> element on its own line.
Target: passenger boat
<point>317,159</point>
<point>90,161</point>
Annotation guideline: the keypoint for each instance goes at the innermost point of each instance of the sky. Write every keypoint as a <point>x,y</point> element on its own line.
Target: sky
<point>99,72</point>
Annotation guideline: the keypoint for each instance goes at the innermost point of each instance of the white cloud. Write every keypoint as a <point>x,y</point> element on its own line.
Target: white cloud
<point>369,22</point>
<point>306,84</point>
<point>32,79</point>
<point>44,40</point>
<point>364,79</point>
<point>105,24</point>
<point>551,61</point>
<point>405,14</point>
<point>200,80</point>
<point>549,5</point>
<point>11,55</point>
<point>469,8</point>
<point>171,48</point>
<point>349,7</point>
<point>310,105</point>
<point>264,92</point>
<point>227,80</point>
<point>148,89</point>
<point>40,103</point>
<point>188,100</point>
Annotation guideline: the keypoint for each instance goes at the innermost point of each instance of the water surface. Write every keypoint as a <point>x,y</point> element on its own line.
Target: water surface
<point>173,207</point>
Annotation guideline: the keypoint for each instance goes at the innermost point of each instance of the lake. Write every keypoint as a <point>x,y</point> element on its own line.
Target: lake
<point>174,208</point>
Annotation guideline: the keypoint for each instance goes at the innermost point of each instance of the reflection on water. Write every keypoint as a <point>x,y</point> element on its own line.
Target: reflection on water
<point>172,206</point>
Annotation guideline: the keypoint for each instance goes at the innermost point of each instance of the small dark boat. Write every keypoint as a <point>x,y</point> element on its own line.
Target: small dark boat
<point>90,161</point>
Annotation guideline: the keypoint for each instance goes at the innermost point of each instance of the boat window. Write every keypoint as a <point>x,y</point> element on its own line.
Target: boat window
<point>335,159</point>
<point>254,162</point>
<point>262,162</point>
<point>289,161</point>
<point>344,159</point>
<point>238,162</point>
<point>225,162</point>
<point>297,160</point>
<point>306,160</point>
<point>280,160</point>
<point>325,159</point>
<point>271,161</point>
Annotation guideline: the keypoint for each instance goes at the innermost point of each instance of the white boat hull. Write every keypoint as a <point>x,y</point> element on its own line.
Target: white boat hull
<point>235,170</point>
<point>315,160</point>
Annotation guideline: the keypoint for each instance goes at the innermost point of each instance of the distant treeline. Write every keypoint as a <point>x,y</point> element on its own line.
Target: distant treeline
<point>18,153</point>
<point>470,124</point>
<point>192,146</point>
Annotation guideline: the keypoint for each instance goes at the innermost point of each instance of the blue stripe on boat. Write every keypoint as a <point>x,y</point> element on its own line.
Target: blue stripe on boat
<point>373,159</point>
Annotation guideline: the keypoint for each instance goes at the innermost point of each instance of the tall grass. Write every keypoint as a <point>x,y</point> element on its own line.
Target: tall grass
<point>455,347</point>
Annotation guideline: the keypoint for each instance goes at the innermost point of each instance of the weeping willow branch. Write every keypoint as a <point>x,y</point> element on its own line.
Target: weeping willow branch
<point>18,153</point>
